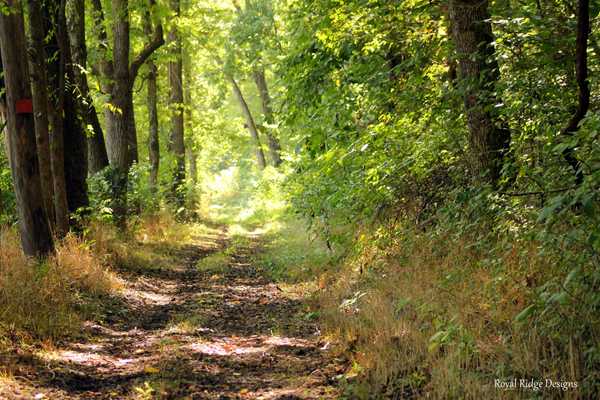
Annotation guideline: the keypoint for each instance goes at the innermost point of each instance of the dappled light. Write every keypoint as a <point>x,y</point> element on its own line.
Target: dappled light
<point>299,199</point>
<point>186,329</point>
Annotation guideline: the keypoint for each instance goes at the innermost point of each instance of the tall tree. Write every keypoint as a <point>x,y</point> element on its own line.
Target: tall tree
<point>153,141</point>
<point>478,75</point>
<point>56,81</point>
<point>66,108</point>
<point>253,33</point>
<point>132,141</point>
<point>581,75</point>
<point>250,124</point>
<point>190,147</point>
<point>151,100</point>
<point>96,148</point>
<point>39,89</point>
<point>120,74</point>
<point>36,237</point>
<point>176,137</point>
<point>104,68</point>
<point>267,109</point>
<point>118,134</point>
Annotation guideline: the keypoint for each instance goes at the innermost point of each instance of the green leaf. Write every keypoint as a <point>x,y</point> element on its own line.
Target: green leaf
<point>525,314</point>
<point>550,209</point>
<point>572,275</point>
<point>561,147</point>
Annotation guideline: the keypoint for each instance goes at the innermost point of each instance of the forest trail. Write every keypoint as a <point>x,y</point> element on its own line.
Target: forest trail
<point>186,333</point>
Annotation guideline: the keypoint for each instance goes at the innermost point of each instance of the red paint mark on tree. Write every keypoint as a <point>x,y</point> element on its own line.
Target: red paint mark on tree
<point>24,106</point>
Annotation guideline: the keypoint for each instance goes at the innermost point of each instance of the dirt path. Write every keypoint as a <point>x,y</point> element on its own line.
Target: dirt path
<point>184,333</point>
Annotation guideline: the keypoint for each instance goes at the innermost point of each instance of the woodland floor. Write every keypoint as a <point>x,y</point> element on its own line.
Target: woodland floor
<point>183,333</point>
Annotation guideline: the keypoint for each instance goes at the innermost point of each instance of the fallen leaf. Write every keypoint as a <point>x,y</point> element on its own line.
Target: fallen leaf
<point>151,370</point>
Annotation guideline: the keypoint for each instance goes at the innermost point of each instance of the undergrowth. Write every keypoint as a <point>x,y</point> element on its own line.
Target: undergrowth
<point>444,313</point>
<point>451,309</point>
<point>44,298</point>
<point>291,254</point>
<point>49,299</point>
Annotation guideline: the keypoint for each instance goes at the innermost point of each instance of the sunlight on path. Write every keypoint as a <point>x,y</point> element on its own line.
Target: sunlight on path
<point>184,333</point>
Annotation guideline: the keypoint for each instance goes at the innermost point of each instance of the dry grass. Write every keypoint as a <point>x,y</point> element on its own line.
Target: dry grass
<point>41,298</point>
<point>434,318</point>
<point>151,245</point>
<point>48,299</point>
<point>163,228</point>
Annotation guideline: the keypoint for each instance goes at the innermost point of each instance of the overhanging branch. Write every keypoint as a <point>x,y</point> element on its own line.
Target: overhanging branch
<point>157,41</point>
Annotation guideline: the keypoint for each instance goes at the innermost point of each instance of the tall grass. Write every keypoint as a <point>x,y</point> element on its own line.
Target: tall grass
<point>48,299</point>
<point>434,316</point>
<point>42,298</point>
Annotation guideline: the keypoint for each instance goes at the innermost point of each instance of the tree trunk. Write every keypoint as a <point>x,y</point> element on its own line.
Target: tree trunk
<point>56,80</point>
<point>74,134</point>
<point>176,139</point>
<point>151,100</point>
<point>57,157</point>
<point>39,87</point>
<point>96,148</point>
<point>156,40</point>
<point>117,136</point>
<point>478,74</point>
<point>132,142</point>
<point>75,157</point>
<point>36,237</point>
<point>105,71</point>
<point>105,68</point>
<point>193,168</point>
<point>263,90</point>
<point>153,144</point>
<point>250,124</point>
<point>191,146</point>
<point>581,72</point>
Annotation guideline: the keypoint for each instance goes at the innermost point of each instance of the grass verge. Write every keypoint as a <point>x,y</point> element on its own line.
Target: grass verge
<point>441,314</point>
<point>47,300</point>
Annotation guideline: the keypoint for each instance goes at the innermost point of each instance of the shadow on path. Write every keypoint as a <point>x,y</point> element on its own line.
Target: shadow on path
<point>181,333</point>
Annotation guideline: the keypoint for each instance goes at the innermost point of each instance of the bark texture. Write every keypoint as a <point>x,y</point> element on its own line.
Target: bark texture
<point>56,80</point>
<point>75,161</point>
<point>250,124</point>
<point>151,102</point>
<point>176,103</point>
<point>39,88</point>
<point>153,143</point>
<point>581,75</point>
<point>96,148</point>
<point>117,136</point>
<point>478,75</point>
<point>104,70</point>
<point>267,109</point>
<point>36,237</point>
<point>132,141</point>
